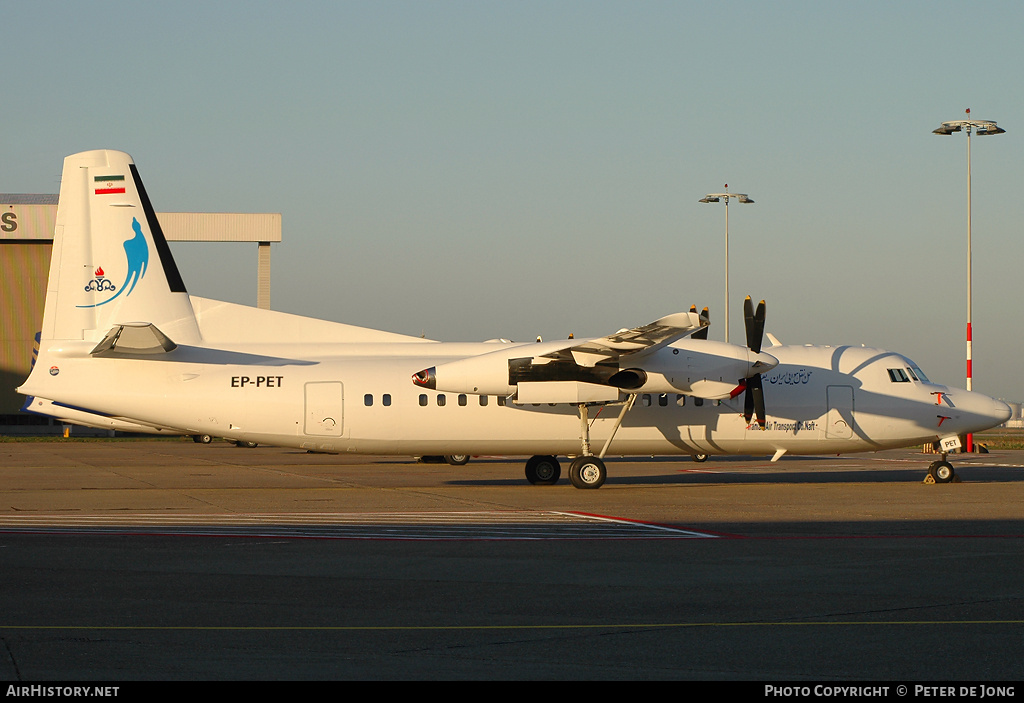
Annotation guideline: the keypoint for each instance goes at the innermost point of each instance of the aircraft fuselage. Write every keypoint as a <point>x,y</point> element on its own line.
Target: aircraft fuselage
<point>359,398</point>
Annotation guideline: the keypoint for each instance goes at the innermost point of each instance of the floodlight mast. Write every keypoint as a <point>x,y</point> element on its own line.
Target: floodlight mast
<point>720,197</point>
<point>983,128</point>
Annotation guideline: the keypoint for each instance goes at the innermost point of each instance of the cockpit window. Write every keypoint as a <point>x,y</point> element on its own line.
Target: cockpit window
<point>911,372</point>
<point>898,376</point>
<point>919,374</point>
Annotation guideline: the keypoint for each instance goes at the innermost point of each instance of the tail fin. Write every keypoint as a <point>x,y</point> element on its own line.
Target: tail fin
<point>111,264</point>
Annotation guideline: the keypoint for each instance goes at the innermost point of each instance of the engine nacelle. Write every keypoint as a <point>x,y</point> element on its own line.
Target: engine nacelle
<point>484,374</point>
<point>698,367</point>
<point>480,375</point>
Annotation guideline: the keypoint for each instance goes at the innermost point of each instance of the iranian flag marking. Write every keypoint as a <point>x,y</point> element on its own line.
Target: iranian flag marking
<point>107,185</point>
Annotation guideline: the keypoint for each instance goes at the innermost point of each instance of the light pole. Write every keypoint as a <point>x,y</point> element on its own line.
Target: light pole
<point>714,198</point>
<point>984,128</point>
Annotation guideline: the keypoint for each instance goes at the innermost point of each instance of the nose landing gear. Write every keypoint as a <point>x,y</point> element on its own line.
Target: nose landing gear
<point>941,471</point>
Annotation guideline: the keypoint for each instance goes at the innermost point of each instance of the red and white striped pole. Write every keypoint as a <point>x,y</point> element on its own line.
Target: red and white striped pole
<point>970,333</point>
<point>984,127</point>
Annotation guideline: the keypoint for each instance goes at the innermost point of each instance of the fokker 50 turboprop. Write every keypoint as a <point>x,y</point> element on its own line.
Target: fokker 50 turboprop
<point>125,346</point>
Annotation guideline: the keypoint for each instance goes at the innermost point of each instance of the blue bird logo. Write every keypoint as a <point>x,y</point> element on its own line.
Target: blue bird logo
<point>136,251</point>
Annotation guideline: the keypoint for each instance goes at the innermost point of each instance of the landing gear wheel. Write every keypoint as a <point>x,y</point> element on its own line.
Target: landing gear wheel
<point>941,471</point>
<point>247,445</point>
<point>700,458</point>
<point>457,459</point>
<point>202,438</point>
<point>587,472</point>
<point>543,470</point>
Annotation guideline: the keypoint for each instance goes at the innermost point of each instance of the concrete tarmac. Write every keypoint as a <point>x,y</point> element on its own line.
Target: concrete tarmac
<point>168,560</point>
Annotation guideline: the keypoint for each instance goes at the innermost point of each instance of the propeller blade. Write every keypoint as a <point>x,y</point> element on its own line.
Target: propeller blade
<point>702,333</point>
<point>748,401</point>
<point>753,398</point>
<point>756,392</point>
<point>754,322</point>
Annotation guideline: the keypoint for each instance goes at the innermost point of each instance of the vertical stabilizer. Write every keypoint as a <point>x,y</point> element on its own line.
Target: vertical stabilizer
<point>111,264</point>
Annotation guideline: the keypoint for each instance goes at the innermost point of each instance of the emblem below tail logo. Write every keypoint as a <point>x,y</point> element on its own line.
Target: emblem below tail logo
<point>137,254</point>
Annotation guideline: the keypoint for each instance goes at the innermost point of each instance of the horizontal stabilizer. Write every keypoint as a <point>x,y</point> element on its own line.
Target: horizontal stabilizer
<point>87,418</point>
<point>132,338</point>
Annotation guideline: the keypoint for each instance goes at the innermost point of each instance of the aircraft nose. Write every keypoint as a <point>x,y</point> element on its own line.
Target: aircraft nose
<point>980,412</point>
<point>1001,411</point>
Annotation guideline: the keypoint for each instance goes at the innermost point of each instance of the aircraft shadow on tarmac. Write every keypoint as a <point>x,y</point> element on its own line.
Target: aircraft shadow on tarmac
<point>792,470</point>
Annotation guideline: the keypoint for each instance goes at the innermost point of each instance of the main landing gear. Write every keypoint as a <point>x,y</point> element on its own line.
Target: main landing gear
<point>586,470</point>
<point>543,470</point>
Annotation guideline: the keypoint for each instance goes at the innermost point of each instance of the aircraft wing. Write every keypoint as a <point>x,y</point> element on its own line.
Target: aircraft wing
<point>631,341</point>
<point>567,370</point>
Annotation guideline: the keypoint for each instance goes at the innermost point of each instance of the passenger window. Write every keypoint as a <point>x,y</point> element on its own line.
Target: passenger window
<point>483,400</point>
<point>698,402</point>
<point>501,400</point>
<point>462,399</point>
<point>646,400</point>
<point>423,399</point>
<point>368,399</point>
<point>386,400</point>
<point>680,400</point>
<point>441,400</point>
<point>663,400</point>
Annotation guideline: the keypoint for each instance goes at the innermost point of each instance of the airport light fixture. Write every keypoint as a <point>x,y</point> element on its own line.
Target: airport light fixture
<point>983,128</point>
<point>725,197</point>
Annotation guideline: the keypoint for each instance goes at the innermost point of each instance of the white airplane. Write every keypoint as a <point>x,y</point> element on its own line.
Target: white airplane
<point>124,346</point>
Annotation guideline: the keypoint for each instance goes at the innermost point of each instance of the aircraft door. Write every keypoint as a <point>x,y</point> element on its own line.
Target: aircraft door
<point>324,409</point>
<point>839,422</point>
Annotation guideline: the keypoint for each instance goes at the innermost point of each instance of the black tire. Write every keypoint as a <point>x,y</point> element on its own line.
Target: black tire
<point>247,445</point>
<point>457,459</point>
<point>202,438</point>
<point>941,471</point>
<point>587,472</point>
<point>543,470</point>
<point>699,458</point>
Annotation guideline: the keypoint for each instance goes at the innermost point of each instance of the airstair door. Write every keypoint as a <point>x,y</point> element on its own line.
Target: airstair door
<point>839,423</point>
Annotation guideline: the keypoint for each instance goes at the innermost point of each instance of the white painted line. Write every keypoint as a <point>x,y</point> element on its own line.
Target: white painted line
<point>469,525</point>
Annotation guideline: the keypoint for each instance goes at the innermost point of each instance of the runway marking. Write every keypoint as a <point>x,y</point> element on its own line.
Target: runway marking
<point>468,525</point>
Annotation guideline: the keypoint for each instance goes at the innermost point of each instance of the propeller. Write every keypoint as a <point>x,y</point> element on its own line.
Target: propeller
<point>753,399</point>
<point>702,333</point>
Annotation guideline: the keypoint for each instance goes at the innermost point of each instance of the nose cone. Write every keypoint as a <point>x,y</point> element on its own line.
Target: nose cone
<point>1001,410</point>
<point>977,412</point>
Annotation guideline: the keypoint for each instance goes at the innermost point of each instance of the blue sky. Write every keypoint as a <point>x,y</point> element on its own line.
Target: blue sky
<point>469,170</point>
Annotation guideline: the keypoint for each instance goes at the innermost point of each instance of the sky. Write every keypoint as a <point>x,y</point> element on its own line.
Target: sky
<point>472,170</point>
